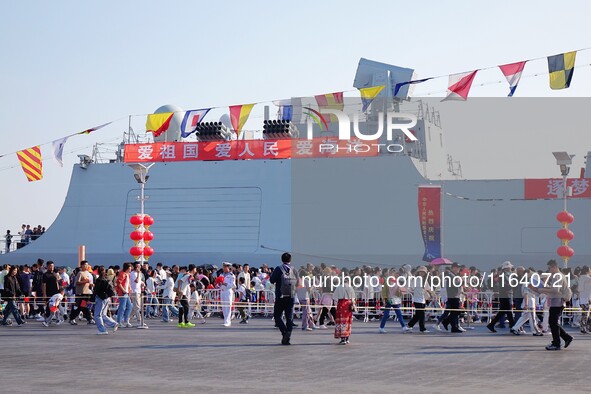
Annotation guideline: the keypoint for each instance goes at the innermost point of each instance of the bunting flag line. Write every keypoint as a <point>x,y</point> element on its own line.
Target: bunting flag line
<point>31,163</point>
<point>94,128</point>
<point>58,150</point>
<point>158,123</point>
<point>561,69</point>
<point>368,95</point>
<point>239,115</point>
<point>192,118</point>
<point>401,84</point>
<point>459,86</point>
<point>330,101</point>
<point>513,74</point>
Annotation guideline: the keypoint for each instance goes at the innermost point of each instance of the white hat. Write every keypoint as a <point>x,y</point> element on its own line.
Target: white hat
<point>506,264</point>
<point>226,264</point>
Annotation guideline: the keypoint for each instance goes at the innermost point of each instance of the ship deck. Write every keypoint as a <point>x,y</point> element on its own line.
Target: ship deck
<point>249,358</point>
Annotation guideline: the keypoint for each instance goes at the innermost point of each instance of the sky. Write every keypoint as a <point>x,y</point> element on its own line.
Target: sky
<point>68,66</point>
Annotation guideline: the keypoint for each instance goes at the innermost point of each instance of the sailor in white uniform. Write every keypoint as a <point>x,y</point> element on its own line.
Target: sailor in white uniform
<point>227,293</point>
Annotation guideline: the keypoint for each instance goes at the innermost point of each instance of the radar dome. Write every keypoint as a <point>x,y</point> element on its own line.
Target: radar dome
<point>174,129</point>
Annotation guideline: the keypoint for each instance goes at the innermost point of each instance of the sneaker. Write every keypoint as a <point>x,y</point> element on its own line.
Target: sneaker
<point>226,325</point>
<point>491,328</point>
<point>567,342</point>
<point>515,332</point>
<point>343,341</point>
<point>436,327</point>
<point>40,318</point>
<point>383,331</point>
<point>91,321</point>
<point>116,327</point>
<point>189,324</point>
<point>408,328</point>
<point>552,347</point>
<point>45,324</point>
<point>202,321</point>
<point>309,329</point>
<point>323,327</point>
<point>165,321</point>
<point>347,341</point>
<point>181,325</point>
<point>405,329</point>
<point>60,321</point>
<point>128,325</point>
<point>462,329</point>
<point>102,333</point>
<point>73,322</point>
<point>243,322</point>
<point>538,334</point>
<point>425,331</point>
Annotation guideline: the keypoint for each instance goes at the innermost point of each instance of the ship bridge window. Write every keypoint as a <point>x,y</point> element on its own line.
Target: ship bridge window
<point>441,139</point>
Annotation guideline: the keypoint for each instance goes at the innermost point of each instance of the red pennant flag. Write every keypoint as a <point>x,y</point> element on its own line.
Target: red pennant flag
<point>459,86</point>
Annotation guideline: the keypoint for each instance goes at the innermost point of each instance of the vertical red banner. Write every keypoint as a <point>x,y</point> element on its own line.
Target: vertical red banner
<point>430,220</point>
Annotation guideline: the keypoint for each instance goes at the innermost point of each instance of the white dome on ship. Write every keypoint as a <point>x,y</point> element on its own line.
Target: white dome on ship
<point>174,129</point>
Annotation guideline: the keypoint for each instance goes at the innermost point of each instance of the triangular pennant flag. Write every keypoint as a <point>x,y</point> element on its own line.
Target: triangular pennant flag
<point>31,163</point>
<point>58,150</point>
<point>561,68</point>
<point>330,101</point>
<point>513,74</point>
<point>459,86</point>
<point>191,119</point>
<point>94,128</point>
<point>402,84</point>
<point>239,115</point>
<point>368,95</point>
<point>158,123</point>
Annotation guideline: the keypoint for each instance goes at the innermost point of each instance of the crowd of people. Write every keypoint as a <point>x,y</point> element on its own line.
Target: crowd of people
<point>123,296</point>
<point>27,235</point>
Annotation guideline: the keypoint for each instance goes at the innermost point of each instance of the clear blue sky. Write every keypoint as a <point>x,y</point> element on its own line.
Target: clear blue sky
<point>68,66</point>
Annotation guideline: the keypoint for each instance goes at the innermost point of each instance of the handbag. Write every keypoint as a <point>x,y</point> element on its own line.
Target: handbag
<point>353,307</point>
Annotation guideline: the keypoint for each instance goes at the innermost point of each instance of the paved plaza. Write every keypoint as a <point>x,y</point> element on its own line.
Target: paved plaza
<point>249,358</point>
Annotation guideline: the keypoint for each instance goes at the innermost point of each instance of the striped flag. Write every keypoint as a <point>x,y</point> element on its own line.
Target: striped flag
<point>330,101</point>
<point>459,86</point>
<point>402,84</point>
<point>158,123</point>
<point>513,74</point>
<point>31,163</point>
<point>239,115</point>
<point>191,120</point>
<point>285,109</point>
<point>368,95</point>
<point>561,68</point>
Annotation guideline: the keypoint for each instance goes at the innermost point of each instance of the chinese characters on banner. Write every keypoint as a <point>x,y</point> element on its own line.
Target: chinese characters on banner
<point>248,149</point>
<point>430,220</point>
<point>553,188</point>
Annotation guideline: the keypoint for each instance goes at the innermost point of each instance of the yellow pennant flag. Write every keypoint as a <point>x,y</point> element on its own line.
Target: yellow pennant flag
<point>238,116</point>
<point>158,123</point>
<point>369,94</point>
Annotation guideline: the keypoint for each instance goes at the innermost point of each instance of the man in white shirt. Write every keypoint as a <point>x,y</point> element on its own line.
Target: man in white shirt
<point>227,293</point>
<point>136,283</point>
<point>168,296</point>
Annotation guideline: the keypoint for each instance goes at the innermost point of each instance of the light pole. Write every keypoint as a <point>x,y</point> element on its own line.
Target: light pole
<point>564,161</point>
<point>140,173</point>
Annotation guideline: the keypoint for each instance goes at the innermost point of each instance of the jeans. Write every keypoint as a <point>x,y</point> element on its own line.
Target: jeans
<point>168,309</point>
<point>152,307</point>
<point>124,309</point>
<point>12,308</point>
<point>557,330</point>
<point>100,314</point>
<point>284,306</point>
<point>387,314</point>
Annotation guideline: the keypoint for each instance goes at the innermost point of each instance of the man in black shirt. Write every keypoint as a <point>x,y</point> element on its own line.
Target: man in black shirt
<point>51,284</point>
<point>453,288</point>
<point>285,279</point>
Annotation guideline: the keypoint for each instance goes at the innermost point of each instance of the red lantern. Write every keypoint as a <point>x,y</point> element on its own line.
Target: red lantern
<point>565,217</point>
<point>136,235</point>
<point>136,220</point>
<point>148,221</point>
<point>148,236</point>
<point>136,251</point>
<point>148,251</point>
<point>565,251</point>
<point>565,234</point>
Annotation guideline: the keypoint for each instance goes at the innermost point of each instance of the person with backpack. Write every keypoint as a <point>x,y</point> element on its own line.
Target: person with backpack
<point>227,286</point>
<point>103,291</point>
<point>285,279</point>
<point>557,292</point>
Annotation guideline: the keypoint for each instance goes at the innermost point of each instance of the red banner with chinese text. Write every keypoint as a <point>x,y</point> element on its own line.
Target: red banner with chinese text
<point>430,220</point>
<point>553,188</point>
<point>249,149</point>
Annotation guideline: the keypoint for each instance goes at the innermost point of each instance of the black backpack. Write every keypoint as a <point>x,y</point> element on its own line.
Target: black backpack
<point>288,281</point>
